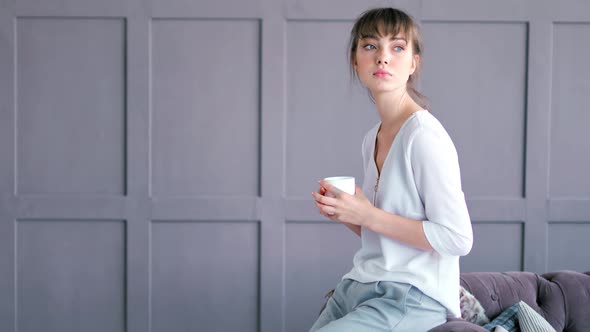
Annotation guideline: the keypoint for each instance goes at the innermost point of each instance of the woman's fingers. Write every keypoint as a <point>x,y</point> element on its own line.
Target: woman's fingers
<point>325,210</point>
<point>330,188</point>
<point>324,199</point>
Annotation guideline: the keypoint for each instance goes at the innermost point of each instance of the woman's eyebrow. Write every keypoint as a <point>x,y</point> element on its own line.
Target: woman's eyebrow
<point>391,39</point>
<point>368,37</point>
<point>398,38</point>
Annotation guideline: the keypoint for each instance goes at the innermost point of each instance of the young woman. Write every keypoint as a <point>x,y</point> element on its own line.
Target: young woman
<point>410,213</point>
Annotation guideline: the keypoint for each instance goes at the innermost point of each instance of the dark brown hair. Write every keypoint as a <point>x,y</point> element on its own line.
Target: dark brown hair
<point>385,22</point>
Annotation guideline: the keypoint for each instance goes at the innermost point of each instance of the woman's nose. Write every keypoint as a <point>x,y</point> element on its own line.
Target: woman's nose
<point>382,58</point>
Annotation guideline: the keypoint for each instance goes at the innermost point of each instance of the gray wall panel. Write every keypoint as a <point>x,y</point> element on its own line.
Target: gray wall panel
<point>568,209</point>
<point>205,94</point>
<point>496,247</point>
<point>72,8</point>
<point>70,96</point>
<point>205,9</point>
<point>70,275</point>
<point>568,246</point>
<point>204,276</point>
<point>568,10</point>
<point>338,10</point>
<point>465,10</point>
<point>316,257</point>
<point>327,115</point>
<point>488,87</point>
<point>7,170</point>
<point>570,139</point>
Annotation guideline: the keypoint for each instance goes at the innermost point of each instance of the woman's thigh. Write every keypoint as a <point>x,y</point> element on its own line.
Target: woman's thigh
<point>337,306</point>
<point>422,313</point>
<point>400,307</point>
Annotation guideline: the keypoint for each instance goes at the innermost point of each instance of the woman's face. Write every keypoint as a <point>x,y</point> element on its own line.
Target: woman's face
<point>384,63</point>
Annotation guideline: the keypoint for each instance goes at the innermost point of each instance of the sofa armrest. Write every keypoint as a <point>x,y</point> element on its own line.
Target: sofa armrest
<point>458,325</point>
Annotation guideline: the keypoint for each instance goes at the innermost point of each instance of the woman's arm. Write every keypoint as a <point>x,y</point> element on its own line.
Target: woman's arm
<point>354,228</point>
<point>447,229</point>
<point>405,230</point>
<point>357,212</point>
<point>435,165</point>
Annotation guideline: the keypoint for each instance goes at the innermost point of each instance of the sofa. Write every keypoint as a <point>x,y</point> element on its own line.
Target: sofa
<point>562,298</point>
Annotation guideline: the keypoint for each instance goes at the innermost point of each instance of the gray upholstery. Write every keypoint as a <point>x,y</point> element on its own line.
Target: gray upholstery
<point>562,298</point>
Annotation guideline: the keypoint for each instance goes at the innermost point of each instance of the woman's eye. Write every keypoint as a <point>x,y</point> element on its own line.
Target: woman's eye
<point>369,47</point>
<point>398,48</point>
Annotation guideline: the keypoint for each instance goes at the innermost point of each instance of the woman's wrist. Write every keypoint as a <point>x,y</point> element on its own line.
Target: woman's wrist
<point>371,217</point>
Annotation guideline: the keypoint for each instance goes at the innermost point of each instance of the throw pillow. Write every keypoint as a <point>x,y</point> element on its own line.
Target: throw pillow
<point>530,320</point>
<point>471,309</point>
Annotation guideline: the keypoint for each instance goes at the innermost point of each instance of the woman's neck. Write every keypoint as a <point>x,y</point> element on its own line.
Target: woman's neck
<point>394,108</point>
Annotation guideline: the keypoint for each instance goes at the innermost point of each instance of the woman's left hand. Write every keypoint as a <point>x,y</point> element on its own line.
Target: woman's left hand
<point>339,206</point>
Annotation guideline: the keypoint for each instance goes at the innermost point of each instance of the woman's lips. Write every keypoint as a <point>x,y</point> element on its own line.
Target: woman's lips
<point>381,73</point>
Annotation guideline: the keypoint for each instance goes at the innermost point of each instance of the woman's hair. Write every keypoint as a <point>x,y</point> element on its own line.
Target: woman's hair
<point>388,21</point>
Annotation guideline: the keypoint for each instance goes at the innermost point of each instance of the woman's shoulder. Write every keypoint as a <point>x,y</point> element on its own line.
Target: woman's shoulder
<point>427,131</point>
<point>423,120</point>
<point>424,123</point>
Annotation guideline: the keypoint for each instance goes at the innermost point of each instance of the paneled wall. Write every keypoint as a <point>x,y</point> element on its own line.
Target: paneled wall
<point>157,157</point>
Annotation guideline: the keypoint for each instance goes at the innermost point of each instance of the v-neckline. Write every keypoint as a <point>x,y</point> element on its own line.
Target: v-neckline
<point>392,143</point>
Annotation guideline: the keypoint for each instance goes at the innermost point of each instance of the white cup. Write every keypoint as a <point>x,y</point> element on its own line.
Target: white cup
<point>344,183</point>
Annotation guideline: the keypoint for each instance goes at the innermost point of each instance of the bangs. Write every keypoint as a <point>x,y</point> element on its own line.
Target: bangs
<point>384,22</point>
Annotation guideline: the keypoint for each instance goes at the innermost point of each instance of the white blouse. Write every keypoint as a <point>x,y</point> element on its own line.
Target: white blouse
<point>420,179</point>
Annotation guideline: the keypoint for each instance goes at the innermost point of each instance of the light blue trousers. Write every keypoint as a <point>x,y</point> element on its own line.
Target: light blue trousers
<point>379,306</point>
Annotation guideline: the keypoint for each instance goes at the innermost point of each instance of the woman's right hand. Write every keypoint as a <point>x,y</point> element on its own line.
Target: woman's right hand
<point>330,215</point>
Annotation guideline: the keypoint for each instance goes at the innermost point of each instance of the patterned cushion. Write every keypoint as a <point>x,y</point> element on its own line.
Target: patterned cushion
<point>507,320</point>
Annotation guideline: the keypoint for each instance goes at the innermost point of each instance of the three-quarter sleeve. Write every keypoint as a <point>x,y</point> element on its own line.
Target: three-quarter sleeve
<point>435,165</point>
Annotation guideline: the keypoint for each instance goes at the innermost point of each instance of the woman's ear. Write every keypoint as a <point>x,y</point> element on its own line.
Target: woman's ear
<point>415,63</point>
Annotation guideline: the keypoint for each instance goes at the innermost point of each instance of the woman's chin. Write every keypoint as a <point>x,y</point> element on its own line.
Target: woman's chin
<point>384,89</point>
